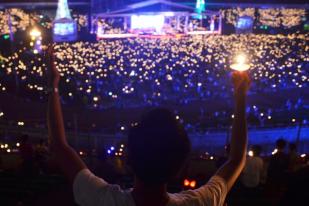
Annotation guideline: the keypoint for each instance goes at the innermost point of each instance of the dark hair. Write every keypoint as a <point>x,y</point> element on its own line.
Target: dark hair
<point>257,149</point>
<point>292,147</point>
<point>280,143</point>
<point>157,147</point>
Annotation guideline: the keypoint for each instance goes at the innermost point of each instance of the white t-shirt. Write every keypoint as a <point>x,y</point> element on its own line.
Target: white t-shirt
<point>90,190</point>
<point>252,173</point>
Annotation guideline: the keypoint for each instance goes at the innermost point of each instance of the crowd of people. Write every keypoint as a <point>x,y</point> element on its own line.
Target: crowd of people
<point>135,73</point>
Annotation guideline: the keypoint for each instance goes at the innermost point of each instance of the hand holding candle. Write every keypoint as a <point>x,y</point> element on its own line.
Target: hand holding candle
<point>240,63</point>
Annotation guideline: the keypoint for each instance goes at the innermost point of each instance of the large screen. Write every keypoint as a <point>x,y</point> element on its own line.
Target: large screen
<point>244,24</point>
<point>147,22</point>
<point>64,29</point>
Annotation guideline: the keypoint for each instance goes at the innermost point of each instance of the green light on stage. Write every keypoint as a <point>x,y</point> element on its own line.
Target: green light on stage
<point>306,27</point>
<point>6,36</point>
<point>200,7</point>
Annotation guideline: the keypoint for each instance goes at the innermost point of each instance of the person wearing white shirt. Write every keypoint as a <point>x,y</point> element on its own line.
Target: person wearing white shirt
<point>157,149</point>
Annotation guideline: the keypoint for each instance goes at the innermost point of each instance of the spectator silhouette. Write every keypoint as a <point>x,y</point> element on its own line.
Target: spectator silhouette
<point>294,161</point>
<point>41,155</point>
<point>27,155</point>
<point>253,171</point>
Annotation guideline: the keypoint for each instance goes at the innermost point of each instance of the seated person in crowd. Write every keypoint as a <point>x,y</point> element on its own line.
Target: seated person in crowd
<point>278,165</point>
<point>168,147</point>
<point>294,160</point>
<point>26,153</point>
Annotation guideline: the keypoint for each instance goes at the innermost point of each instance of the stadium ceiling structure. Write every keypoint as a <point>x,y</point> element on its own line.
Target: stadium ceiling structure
<point>209,3</point>
<point>141,6</point>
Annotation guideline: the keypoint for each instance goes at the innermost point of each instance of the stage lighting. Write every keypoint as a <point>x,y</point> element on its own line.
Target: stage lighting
<point>240,63</point>
<point>146,22</point>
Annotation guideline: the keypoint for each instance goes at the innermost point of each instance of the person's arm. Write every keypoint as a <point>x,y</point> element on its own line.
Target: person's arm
<point>64,155</point>
<point>231,170</point>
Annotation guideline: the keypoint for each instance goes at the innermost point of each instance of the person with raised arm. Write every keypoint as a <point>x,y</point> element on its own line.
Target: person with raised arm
<point>158,146</point>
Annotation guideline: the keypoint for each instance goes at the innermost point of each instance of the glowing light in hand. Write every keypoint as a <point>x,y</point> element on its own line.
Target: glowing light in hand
<point>240,59</point>
<point>240,63</point>
<point>35,33</point>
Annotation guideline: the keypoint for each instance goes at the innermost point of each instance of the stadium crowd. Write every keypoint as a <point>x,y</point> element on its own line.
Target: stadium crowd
<point>138,72</point>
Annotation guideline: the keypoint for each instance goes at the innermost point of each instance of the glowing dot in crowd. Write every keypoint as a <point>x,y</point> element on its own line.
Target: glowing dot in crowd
<point>8,150</point>
<point>108,151</point>
<point>303,155</point>
<point>81,153</point>
<point>6,146</point>
<point>250,153</point>
<point>177,117</point>
<point>275,151</point>
<point>17,144</point>
<point>132,73</point>
<point>169,77</point>
<point>186,182</point>
<point>112,148</point>
<point>269,117</point>
<point>193,184</point>
<point>262,114</point>
<point>293,120</point>
<point>20,123</point>
<point>122,145</point>
<point>70,94</point>
<point>95,99</point>
<point>233,116</point>
<point>2,146</point>
<point>1,114</point>
<point>122,128</point>
<point>211,157</point>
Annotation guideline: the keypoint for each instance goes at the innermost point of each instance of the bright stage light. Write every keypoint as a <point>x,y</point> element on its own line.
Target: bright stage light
<point>240,63</point>
<point>147,22</point>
